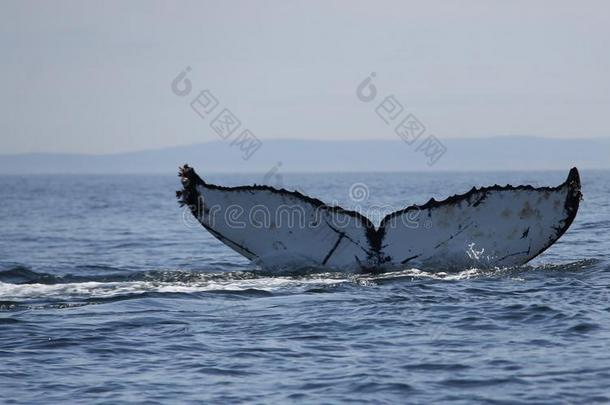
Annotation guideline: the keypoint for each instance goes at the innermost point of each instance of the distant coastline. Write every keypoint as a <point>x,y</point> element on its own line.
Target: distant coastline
<point>462,154</point>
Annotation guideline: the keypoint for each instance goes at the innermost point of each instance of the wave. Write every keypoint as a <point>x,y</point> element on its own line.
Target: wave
<point>23,284</point>
<point>20,284</point>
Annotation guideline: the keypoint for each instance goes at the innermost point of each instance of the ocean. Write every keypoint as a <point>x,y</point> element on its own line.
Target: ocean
<point>110,292</point>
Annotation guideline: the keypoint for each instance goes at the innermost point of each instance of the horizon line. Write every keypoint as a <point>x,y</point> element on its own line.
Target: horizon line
<point>396,139</point>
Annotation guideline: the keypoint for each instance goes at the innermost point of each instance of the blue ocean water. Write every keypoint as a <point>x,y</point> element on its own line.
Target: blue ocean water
<point>109,292</point>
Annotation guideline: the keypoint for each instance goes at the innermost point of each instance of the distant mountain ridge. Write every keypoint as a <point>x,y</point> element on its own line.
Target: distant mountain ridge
<point>465,154</point>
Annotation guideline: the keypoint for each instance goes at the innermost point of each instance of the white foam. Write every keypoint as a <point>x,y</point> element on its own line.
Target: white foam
<point>228,282</point>
<point>111,289</point>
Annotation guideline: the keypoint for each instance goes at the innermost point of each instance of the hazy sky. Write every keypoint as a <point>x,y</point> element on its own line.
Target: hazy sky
<point>95,76</point>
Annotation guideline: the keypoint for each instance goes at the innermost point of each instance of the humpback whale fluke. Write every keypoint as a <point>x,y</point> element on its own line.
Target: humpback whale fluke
<point>485,227</point>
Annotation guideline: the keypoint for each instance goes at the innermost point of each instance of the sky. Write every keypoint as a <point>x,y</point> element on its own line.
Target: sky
<point>96,77</point>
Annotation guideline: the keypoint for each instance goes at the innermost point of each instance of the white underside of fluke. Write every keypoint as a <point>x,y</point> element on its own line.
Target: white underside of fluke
<point>487,227</point>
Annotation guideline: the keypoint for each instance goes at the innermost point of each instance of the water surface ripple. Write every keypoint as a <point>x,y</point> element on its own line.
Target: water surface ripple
<point>107,294</point>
